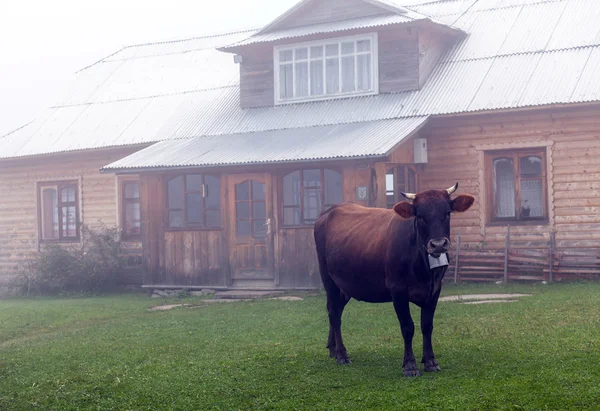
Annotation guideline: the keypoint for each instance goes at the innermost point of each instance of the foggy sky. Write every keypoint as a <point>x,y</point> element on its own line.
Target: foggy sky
<point>43,43</point>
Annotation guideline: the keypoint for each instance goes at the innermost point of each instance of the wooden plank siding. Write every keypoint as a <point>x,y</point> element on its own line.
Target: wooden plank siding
<point>18,208</point>
<point>572,139</point>
<point>324,11</point>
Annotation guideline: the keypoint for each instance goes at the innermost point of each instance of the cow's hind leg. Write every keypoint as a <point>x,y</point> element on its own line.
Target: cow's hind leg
<point>336,301</point>
<point>407,326</point>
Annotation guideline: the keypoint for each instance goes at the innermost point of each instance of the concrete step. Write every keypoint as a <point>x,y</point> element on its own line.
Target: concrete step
<point>245,294</point>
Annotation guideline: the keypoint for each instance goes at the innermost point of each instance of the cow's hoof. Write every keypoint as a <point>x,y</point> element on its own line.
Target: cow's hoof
<point>411,372</point>
<point>343,360</point>
<point>432,366</point>
<point>331,352</point>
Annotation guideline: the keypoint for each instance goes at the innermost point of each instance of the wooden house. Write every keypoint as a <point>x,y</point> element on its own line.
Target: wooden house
<point>217,154</point>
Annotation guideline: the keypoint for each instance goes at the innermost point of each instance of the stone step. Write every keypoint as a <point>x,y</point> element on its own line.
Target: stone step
<point>245,294</point>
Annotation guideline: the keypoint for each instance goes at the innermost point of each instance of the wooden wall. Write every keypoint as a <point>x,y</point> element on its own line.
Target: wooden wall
<point>572,139</point>
<point>324,11</point>
<point>18,210</point>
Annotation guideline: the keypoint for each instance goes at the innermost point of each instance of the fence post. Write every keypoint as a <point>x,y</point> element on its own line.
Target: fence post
<point>552,245</point>
<point>506,247</point>
<point>457,257</point>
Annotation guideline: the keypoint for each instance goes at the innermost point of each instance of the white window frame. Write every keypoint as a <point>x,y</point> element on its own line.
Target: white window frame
<point>337,40</point>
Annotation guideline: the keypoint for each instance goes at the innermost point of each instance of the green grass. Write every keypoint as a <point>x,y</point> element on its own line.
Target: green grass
<point>542,352</point>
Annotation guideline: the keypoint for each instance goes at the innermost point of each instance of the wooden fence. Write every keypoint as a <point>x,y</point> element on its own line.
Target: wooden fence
<point>523,261</point>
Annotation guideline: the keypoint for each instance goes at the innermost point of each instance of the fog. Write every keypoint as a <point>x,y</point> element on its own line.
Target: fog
<point>43,43</point>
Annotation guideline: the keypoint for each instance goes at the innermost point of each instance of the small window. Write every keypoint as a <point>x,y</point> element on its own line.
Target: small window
<point>326,69</point>
<point>194,201</point>
<point>306,193</point>
<point>59,211</point>
<point>517,185</point>
<point>398,180</point>
<point>130,209</point>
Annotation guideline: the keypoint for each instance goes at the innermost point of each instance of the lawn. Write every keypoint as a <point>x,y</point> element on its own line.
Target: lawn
<point>542,352</point>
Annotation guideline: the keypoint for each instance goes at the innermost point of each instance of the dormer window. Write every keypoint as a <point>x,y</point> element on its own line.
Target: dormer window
<point>326,69</point>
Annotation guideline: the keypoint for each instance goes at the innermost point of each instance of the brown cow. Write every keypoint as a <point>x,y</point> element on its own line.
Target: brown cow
<point>378,255</point>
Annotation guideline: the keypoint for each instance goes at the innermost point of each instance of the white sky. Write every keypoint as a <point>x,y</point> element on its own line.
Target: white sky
<point>43,42</point>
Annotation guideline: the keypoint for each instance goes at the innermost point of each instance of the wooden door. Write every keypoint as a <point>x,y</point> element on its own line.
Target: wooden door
<point>251,236</point>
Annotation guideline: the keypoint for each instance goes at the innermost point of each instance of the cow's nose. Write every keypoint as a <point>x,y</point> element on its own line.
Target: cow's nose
<point>439,245</point>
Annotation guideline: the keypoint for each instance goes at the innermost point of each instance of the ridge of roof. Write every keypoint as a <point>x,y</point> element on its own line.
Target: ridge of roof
<point>16,129</point>
<point>181,40</point>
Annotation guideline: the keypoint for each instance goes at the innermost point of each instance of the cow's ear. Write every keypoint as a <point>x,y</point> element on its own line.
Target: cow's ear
<point>404,209</point>
<point>462,203</point>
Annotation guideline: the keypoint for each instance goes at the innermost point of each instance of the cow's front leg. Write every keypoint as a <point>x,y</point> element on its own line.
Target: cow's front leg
<point>407,326</point>
<point>427,313</point>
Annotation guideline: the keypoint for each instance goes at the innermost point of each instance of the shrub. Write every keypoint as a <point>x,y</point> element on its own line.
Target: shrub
<point>91,267</point>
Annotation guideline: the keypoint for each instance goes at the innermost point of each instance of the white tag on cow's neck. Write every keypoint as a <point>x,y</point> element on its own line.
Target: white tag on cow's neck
<point>441,261</point>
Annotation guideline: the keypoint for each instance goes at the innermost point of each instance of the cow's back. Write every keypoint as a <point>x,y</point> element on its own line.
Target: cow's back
<point>352,241</point>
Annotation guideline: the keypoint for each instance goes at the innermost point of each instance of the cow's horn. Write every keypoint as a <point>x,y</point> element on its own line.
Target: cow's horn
<point>452,189</point>
<point>410,196</point>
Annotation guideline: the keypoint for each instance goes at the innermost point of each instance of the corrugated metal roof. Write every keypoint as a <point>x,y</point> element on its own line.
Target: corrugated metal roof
<point>357,140</point>
<point>519,53</point>
<point>352,24</point>
<point>330,27</point>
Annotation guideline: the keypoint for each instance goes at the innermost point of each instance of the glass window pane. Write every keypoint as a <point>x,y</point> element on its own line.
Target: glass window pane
<point>363,45</point>
<point>242,210</point>
<point>69,222</point>
<point>332,74</point>
<point>259,210</point>
<point>504,187</point>
<point>364,71</point>
<point>316,52</point>
<point>331,50</point>
<point>301,53</point>
<point>49,214</point>
<point>286,81</point>
<point>243,228</point>
<point>389,183</point>
<point>531,166</point>
<point>176,219</point>
<point>311,178</point>
<point>259,228</point>
<point>532,198</point>
<point>175,193</point>
<point>213,192</point>
<point>132,191</point>
<point>193,183</point>
<point>348,47</point>
<point>291,216</point>
<point>194,209</point>
<point>347,74</point>
<point>67,194</point>
<point>285,55</point>
<point>291,189</point>
<point>132,219</point>
<point>258,191</point>
<point>333,187</point>
<point>242,191</point>
<point>316,78</point>
<point>301,79</point>
<point>213,218</point>
<point>312,205</point>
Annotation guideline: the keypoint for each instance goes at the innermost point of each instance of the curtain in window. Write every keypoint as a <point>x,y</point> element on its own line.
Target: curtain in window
<point>504,187</point>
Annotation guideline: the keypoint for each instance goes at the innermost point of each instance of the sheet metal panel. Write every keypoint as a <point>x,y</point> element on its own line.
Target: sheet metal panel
<point>310,143</point>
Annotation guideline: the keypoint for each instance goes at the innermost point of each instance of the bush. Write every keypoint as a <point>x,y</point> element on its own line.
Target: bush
<point>92,267</point>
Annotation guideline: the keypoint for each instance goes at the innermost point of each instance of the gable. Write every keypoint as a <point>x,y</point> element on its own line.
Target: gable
<point>324,11</point>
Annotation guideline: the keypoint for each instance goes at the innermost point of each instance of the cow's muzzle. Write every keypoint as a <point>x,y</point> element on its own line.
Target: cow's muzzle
<point>438,246</point>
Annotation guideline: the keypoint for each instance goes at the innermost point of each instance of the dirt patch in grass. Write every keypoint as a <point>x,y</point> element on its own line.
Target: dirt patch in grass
<point>471,297</point>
